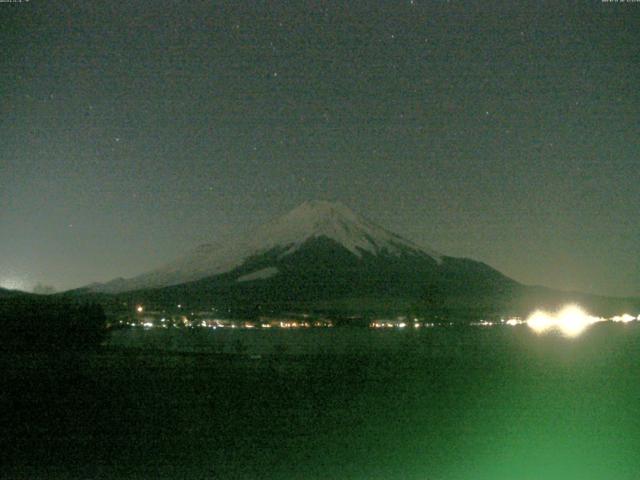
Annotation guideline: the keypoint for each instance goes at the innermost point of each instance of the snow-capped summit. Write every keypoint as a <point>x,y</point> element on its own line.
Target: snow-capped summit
<point>286,234</point>
<point>336,222</point>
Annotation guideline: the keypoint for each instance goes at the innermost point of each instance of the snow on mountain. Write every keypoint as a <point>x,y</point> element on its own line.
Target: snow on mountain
<point>287,233</point>
<point>336,222</point>
<point>261,274</point>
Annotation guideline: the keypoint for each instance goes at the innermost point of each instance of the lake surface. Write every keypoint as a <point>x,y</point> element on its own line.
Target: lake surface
<point>442,403</point>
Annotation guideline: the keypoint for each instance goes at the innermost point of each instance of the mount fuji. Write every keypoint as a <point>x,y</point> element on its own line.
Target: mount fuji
<point>309,223</point>
<point>321,255</point>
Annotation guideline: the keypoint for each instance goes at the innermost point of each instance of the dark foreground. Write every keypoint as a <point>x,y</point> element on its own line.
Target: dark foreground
<point>515,407</point>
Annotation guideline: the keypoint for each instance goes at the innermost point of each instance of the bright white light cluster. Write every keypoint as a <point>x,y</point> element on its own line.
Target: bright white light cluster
<point>512,322</point>
<point>625,318</point>
<point>571,320</point>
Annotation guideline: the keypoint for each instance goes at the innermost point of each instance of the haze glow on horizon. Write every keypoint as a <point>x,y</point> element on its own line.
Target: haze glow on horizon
<point>14,284</point>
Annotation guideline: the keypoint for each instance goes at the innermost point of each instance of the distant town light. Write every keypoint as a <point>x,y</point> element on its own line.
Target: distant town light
<point>139,309</point>
<point>540,321</point>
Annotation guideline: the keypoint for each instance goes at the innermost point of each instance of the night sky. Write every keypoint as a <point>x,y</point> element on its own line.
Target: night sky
<point>507,132</point>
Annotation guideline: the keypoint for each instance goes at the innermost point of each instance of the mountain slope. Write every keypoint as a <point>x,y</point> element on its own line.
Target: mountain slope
<point>322,275</point>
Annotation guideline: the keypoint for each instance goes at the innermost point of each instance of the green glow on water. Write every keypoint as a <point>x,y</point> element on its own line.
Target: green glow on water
<point>566,409</point>
<point>434,404</point>
<point>547,408</point>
